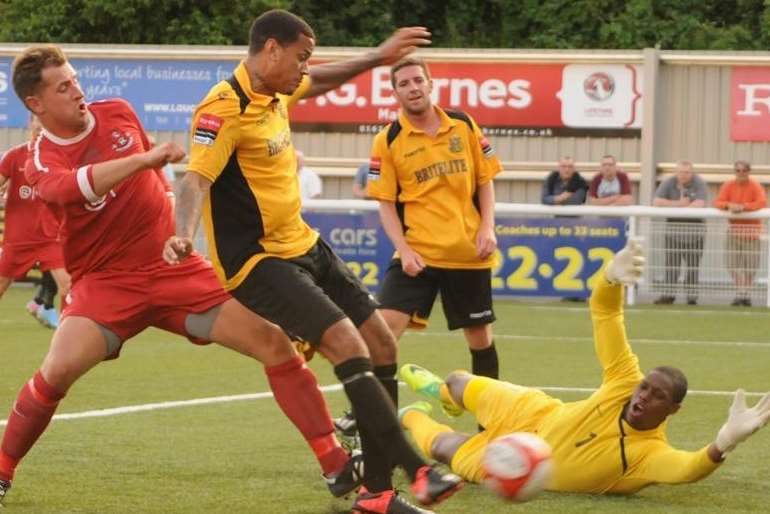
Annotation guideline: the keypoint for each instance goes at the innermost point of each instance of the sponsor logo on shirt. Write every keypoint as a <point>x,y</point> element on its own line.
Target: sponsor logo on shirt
<point>121,141</point>
<point>486,148</point>
<point>206,129</point>
<point>441,168</point>
<point>374,168</point>
<point>279,143</point>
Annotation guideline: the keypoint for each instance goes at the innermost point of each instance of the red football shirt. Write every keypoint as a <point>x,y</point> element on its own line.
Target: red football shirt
<point>28,221</point>
<point>126,228</point>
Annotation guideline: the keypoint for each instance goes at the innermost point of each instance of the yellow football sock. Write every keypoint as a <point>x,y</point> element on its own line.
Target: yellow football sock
<point>445,397</point>
<point>473,391</point>
<point>424,429</point>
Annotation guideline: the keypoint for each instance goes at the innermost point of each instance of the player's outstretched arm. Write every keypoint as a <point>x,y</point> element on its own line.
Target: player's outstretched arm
<point>742,421</point>
<point>106,175</point>
<point>328,76</point>
<point>192,190</point>
<point>619,363</point>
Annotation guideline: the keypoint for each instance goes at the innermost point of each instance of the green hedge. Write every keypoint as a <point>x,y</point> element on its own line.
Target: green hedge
<point>669,24</point>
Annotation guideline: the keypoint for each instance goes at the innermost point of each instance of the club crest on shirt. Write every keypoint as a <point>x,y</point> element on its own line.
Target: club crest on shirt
<point>26,192</point>
<point>455,144</point>
<point>206,129</point>
<point>121,141</point>
<point>374,168</point>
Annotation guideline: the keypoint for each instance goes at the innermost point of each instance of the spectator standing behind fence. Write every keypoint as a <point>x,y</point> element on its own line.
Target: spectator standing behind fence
<point>359,181</point>
<point>742,194</point>
<point>683,236</point>
<point>564,186</point>
<point>310,185</point>
<point>610,186</point>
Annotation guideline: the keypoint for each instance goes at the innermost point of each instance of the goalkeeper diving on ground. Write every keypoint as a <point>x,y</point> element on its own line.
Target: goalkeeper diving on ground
<point>612,442</point>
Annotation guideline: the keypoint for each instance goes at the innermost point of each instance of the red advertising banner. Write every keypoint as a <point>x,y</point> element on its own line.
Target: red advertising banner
<point>534,97</point>
<point>750,111</point>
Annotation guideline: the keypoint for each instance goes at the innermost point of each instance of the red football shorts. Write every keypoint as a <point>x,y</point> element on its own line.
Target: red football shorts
<point>127,302</point>
<point>17,260</point>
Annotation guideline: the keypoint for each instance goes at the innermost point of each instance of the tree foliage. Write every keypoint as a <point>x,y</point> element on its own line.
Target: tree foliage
<point>668,24</point>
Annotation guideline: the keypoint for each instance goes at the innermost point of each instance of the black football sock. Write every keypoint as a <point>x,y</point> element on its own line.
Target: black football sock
<point>48,289</point>
<point>377,424</point>
<point>485,363</point>
<point>386,374</point>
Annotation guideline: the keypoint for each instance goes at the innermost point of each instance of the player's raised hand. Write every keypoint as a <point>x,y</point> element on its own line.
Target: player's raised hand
<point>411,262</point>
<point>742,421</point>
<point>176,249</point>
<point>486,242</point>
<point>403,42</point>
<point>159,155</point>
<point>628,264</point>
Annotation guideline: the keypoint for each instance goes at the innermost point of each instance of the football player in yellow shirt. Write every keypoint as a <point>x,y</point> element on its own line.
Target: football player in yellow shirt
<point>612,442</point>
<point>242,176</point>
<point>431,171</point>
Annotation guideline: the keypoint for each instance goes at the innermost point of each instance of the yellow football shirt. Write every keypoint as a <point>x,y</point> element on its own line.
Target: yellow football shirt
<point>241,141</point>
<point>434,183</point>
<point>594,449</point>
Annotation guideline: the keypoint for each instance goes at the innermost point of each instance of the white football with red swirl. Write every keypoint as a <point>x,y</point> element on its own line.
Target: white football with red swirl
<point>517,466</point>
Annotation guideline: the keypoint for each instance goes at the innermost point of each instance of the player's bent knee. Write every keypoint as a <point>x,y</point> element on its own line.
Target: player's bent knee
<point>445,446</point>
<point>341,342</point>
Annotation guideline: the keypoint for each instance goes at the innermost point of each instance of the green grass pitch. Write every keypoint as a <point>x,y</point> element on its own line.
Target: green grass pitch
<point>245,457</point>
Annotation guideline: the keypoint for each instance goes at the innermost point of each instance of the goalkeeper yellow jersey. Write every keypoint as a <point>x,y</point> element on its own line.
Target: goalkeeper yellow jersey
<point>594,449</point>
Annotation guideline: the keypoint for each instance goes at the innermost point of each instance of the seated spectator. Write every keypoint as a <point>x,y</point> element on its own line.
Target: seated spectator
<point>683,236</point>
<point>359,181</point>
<point>610,186</point>
<point>564,186</point>
<point>742,194</point>
<point>310,185</point>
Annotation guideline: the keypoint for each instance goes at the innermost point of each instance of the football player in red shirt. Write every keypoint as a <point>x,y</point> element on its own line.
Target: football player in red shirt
<point>31,235</point>
<point>94,164</point>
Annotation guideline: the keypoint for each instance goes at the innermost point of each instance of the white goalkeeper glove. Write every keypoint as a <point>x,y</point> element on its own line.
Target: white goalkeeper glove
<point>628,264</point>
<point>742,421</point>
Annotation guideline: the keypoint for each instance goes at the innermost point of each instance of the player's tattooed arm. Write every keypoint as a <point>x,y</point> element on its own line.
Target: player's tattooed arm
<point>192,191</point>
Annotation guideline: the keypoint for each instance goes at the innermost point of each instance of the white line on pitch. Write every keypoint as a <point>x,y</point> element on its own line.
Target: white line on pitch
<point>760,311</point>
<point>129,409</point>
<point>749,344</point>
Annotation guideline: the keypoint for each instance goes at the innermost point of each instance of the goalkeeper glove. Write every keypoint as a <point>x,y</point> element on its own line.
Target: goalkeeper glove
<point>742,421</point>
<point>628,264</point>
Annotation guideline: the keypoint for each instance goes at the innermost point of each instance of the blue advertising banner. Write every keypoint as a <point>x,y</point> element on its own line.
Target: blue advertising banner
<point>553,256</point>
<point>358,238</point>
<point>535,256</point>
<point>163,93</point>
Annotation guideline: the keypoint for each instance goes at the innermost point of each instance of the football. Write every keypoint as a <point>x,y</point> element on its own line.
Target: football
<point>517,466</point>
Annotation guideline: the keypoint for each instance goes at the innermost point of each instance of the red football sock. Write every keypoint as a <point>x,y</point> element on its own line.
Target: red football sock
<point>29,417</point>
<point>295,388</point>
